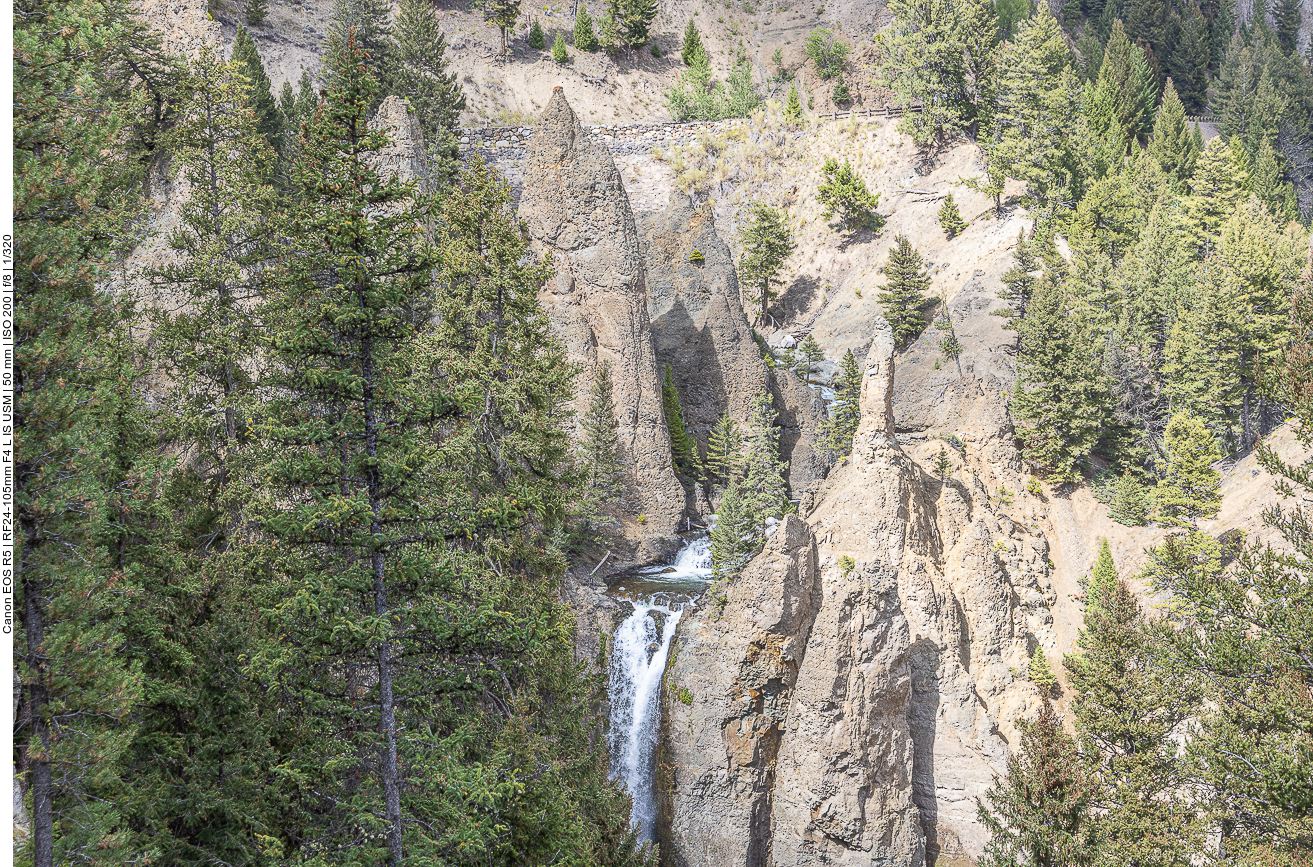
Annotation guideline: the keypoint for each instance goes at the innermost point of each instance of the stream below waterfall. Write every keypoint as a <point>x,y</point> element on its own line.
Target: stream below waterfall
<point>639,651</point>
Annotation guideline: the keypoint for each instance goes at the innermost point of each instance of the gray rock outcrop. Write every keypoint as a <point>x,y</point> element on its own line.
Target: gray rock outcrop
<point>902,707</point>
<point>700,330</point>
<point>698,324</point>
<point>404,156</point>
<point>728,691</point>
<point>580,221</point>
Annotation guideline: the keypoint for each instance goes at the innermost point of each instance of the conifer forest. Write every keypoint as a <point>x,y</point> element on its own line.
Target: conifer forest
<point>693,433</point>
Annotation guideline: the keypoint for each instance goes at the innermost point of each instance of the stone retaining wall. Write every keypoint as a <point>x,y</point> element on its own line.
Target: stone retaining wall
<point>500,143</point>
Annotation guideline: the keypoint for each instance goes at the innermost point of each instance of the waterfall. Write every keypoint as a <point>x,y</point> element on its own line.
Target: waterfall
<point>640,649</point>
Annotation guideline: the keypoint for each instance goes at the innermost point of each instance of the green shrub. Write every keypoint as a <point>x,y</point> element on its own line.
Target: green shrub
<point>826,51</point>
<point>950,220</point>
<point>585,38</point>
<point>536,38</point>
<point>847,565</point>
<point>559,54</point>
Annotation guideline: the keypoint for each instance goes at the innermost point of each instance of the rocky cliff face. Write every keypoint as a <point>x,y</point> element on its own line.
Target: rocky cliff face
<point>902,705</point>
<point>580,220</point>
<point>700,330</point>
<point>727,697</point>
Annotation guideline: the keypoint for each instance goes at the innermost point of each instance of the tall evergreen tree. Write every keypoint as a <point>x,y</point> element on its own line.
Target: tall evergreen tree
<point>736,538</point>
<point>1190,488</point>
<point>1129,85</point>
<point>205,732</point>
<point>763,489</point>
<point>1019,282</point>
<point>903,297</point>
<point>599,447</point>
<point>1038,104</point>
<point>502,14</point>
<point>724,445</point>
<point>269,120</point>
<point>75,189</point>
<point>1128,702</point>
<point>1216,189</point>
<point>1041,811</point>
<point>1060,404</point>
<point>682,445</point>
<point>1191,59</point>
<point>422,78</point>
<point>1288,15</point>
<point>692,43</point>
<point>846,413</point>
<point>585,39</point>
<point>811,353</point>
<point>767,245</point>
<point>1172,146</point>
<point>940,54</point>
<point>368,23</point>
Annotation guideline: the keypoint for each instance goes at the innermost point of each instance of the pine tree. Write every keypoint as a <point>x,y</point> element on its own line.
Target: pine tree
<point>633,21</point>
<point>682,445</point>
<point>1103,580</point>
<point>764,491</point>
<point>502,469</point>
<point>950,219</point>
<point>840,94</point>
<point>269,119</point>
<point>692,43</point>
<point>1040,673</point>
<point>584,37</point>
<point>1172,146</point>
<point>1190,488</point>
<point>1040,812</point>
<point>793,106</point>
<point>942,57</point>
<point>1216,189</point>
<point>904,294</point>
<point>767,244</point>
<point>536,39</point>
<point>74,190</point>
<point>811,353</point>
<point>559,52</point>
<point>608,29</point>
<point>599,448</point>
<point>502,14</point>
<point>367,22</point>
<point>1288,16</point>
<point>846,412</point>
<point>1266,182</point>
<point>429,89</point>
<point>1130,502</point>
<point>1129,84</point>
<point>843,192</point>
<point>736,538</point>
<point>724,446</point>
<point>1191,59</point>
<point>1038,103</point>
<point>255,12</point>
<point>1019,282</point>
<point>1128,701</point>
<point>943,466</point>
<point>1060,405</point>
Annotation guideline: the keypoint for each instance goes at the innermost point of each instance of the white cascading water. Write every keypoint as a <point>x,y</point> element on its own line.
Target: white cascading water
<point>639,651</point>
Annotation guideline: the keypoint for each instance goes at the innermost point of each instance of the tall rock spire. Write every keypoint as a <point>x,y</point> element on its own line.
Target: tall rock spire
<point>579,219</point>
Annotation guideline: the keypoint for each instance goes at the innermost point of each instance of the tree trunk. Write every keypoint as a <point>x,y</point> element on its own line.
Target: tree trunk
<point>387,708</point>
<point>38,765</point>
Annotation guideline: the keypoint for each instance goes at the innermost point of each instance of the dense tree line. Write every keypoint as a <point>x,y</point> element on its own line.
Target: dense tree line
<point>293,520</point>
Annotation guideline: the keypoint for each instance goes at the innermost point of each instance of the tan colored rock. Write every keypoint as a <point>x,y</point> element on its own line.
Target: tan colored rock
<point>728,691</point>
<point>700,330</point>
<point>903,703</point>
<point>404,157</point>
<point>580,220</point>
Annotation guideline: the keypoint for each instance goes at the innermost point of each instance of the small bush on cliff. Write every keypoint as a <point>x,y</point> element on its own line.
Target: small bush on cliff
<point>843,192</point>
<point>585,39</point>
<point>536,38</point>
<point>950,219</point>
<point>559,54</point>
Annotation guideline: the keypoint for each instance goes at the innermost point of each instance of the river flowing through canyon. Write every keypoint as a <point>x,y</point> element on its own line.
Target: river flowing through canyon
<point>640,650</point>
